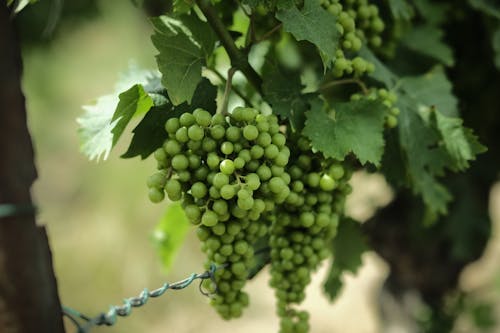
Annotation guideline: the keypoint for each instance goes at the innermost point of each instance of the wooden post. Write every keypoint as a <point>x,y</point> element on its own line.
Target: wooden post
<point>29,301</point>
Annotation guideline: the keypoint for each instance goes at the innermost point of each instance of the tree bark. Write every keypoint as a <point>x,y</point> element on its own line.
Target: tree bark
<point>29,301</point>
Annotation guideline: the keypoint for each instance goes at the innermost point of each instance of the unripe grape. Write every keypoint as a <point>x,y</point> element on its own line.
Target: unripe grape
<point>227,167</point>
<point>250,132</point>
<point>156,195</point>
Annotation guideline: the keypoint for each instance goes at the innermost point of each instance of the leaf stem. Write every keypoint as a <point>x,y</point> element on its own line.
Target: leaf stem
<point>238,58</point>
<point>234,89</point>
<point>269,33</point>
<point>227,92</point>
<point>331,84</point>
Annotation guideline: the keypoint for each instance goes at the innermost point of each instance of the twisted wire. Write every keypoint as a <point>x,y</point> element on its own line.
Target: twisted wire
<point>109,318</point>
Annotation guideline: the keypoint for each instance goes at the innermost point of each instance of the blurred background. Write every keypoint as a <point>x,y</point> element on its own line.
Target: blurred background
<point>100,221</point>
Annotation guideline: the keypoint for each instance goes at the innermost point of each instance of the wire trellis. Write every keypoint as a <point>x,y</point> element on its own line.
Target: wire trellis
<point>109,318</point>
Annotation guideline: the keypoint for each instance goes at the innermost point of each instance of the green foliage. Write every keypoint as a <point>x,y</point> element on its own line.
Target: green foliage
<point>313,24</point>
<point>421,140</point>
<point>19,4</point>
<point>149,134</point>
<point>347,248</point>
<point>354,127</point>
<point>489,7</point>
<point>368,88</point>
<point>427,40</point>
<point>496,46</point>
<point>183,43</point>
<point>170,233</point>
<point>283,91</point>
<point>401,9</point>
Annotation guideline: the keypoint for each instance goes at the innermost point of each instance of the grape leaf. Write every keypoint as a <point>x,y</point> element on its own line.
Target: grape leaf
<point>432,12</point>
<point>401,9</point>
<point>19,5</point>
<point>356,127</point>
<point>170,233</point>
<point>183,45</point>
<point>348,246</point>
<point>95,128</point>
<point>490,7</point>
<point>432,140</point>
<point>283,92</point>
<point>496,47</point>
<point>432,88</point>
<point>150,133</point>
<point>424,160</point>
<point>133,102</point>
<point>459,142</point>
<point>381,73</point>
<point>427,40</point>
<point>314,24</point>
<point>97,125</point>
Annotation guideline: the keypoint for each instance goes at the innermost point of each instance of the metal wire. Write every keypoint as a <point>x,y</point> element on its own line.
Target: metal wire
<point>11,210</point>
<point>109,318</point>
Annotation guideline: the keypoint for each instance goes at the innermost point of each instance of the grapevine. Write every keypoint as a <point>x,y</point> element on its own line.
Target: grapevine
<point>261,162</point>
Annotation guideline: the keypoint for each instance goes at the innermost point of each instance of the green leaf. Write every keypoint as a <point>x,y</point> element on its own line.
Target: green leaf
<point>183,45</point>
<point>489,7</point>
<point>401,9</point>
<point>99,127</point>
<point>382,73</point>
<point>431,89</point>
<point>427,40</point>
<point>96,139</point>
<point>348,246</point>
<point>356,127</point>
<point>496,47</point>
<point>432,140</point>
<point>424,160</point>
<point>150,132</point>
<point>170,233</point>
<point>201,32</point>
<point>459,142</point>
<point>432,12</point>
<point>19,4</point>
<point>283,92</point>
<point>133,102</point>
<point>314,24</point>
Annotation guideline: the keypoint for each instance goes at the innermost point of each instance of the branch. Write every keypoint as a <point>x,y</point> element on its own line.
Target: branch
<point>238,58</point>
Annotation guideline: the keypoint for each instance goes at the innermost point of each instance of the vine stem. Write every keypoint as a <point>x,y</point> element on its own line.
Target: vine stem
<point>227,92</point>
<point>345,81</point>
<point>269,33</point>
<point>238,58</point>
<point>233,88</point>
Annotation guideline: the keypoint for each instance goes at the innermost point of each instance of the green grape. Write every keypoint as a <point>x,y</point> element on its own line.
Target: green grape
<point>172,147</point>
<point>227,167</point>
<point>182,135</point>
<point>250,132</point>
<point>172,125</point>
<point>186,119</point>
<point>326,183</point>
<point>233,133</point>
<point>202,117</point>
<point>156,195</point>
<point>173,188</point>
<point>195,132</point>
<point>209,218</point>
<point>180,162</point>
<point>217,132</point>
<point>198,190</point>
<point>227,148</point>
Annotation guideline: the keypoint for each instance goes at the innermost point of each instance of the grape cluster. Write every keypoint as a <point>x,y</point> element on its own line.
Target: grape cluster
<point>358,22</point>
<point>388,98</point>
<point>302,229</point>
<point>227,172</point>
